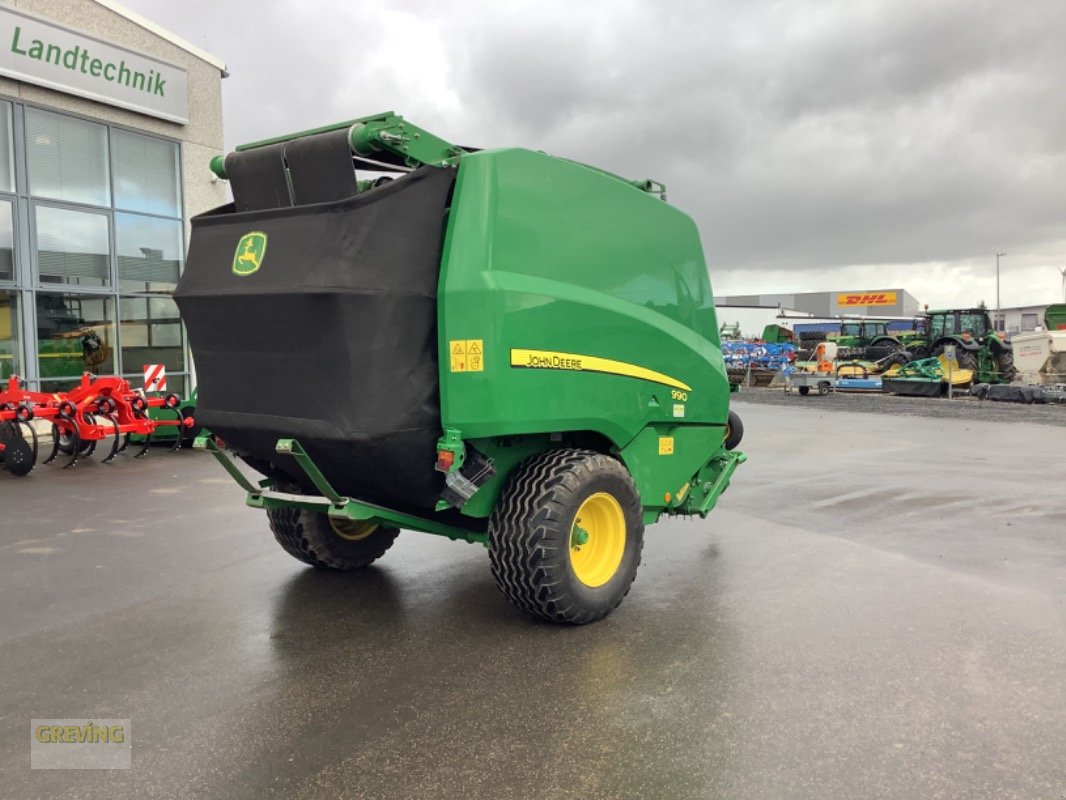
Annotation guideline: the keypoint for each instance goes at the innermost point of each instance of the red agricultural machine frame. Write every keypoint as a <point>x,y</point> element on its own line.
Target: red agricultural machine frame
<point>97,408</point>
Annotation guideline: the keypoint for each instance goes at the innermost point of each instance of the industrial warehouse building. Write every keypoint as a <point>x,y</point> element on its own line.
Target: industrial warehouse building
<point>863,302</point>
<point>107,124</point>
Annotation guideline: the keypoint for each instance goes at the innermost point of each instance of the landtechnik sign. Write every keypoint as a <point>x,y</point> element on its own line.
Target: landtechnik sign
<point>37,51</point>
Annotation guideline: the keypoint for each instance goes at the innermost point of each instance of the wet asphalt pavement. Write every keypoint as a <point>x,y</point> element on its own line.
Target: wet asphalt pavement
<point>877,609</point>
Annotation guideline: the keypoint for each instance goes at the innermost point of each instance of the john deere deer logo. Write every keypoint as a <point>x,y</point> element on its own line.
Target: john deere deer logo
<point>250,251</point>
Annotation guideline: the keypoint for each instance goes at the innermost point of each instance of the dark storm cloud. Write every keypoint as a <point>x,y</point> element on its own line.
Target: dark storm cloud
<point>805,135</point>
<point>801,136</point>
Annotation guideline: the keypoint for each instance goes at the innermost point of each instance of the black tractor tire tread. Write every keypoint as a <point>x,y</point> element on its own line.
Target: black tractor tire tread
<point>535,501</point>
<point>1005,362</point>
<point>306,536</point>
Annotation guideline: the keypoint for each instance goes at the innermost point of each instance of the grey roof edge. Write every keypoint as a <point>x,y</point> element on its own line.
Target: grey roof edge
<point>163,33</point>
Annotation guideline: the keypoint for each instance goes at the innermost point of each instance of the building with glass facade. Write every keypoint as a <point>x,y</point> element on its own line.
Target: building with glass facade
<point>98,178</point>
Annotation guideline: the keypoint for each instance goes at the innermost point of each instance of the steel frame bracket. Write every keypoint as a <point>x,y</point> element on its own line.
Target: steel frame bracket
<point>330,501</point>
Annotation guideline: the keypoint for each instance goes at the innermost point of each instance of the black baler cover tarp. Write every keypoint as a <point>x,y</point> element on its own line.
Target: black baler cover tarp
<point>333,341</point>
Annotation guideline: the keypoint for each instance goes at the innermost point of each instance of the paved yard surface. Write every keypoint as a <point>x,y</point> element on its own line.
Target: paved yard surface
<point>876,610</point>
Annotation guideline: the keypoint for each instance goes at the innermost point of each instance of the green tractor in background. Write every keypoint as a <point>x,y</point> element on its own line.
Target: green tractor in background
<point>864,339</point>
<point>978,346</point>
<point>870,338</point>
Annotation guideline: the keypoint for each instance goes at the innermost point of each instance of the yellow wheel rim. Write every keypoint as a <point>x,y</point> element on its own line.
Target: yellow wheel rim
<point>352,529</point>
<point>597,539</point>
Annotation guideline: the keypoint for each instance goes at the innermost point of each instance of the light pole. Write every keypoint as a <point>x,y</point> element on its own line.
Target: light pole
<point>998,256</point>
<point>1063,271</point>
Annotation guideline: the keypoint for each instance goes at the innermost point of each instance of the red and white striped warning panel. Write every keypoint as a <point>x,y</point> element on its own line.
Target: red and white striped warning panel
<point>155,378</point>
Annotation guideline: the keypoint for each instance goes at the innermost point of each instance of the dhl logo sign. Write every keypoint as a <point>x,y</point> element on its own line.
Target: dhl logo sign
<point>867,299</point>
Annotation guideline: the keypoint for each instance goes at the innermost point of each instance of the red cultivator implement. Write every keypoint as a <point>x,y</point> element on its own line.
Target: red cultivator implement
<point>94,410</point>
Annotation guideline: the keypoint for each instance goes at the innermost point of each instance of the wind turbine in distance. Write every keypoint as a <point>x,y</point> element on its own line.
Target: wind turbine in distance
<point>1063,271</point>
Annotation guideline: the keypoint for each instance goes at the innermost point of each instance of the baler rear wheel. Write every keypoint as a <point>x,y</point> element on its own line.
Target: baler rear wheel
<point>566,536</point>
<point>318,540</point>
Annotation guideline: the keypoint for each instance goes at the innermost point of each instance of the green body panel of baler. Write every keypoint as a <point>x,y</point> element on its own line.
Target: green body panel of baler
<point>590,301</point>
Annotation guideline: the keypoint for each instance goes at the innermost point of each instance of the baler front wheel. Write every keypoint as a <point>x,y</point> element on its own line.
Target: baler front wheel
<point>734,431</point>
<point>326,543</point>
<point>566,536</point>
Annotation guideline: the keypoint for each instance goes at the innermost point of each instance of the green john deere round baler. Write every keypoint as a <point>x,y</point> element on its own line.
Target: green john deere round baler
<point>498,346</point>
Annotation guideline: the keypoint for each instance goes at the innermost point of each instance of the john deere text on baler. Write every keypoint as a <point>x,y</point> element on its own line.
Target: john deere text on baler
<point>498,346</point>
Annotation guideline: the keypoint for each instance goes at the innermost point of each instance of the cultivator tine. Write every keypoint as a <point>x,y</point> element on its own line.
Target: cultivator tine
<point>115,440</point>
<point>55,445</point>
<point>90,448</point>
<point>147,436</point>
<point>180,430</point>
<point>125,443</point>
<point>75,440</point>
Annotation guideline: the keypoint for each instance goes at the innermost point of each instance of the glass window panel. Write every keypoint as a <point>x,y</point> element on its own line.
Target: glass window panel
<point>10,338</point>
<point>59,385</point>
<point>75,334</point>
<point>146,174</point>
<point>151,334</point>
<point>7,150</point>
<point>67,158</point>
<point>150,252</point>
<point>72,246</point>
<point>7,242</point>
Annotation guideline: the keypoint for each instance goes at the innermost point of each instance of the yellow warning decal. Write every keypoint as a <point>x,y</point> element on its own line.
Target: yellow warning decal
<point>577,362</point>
<point>467,355</point>
<point>666,445</point>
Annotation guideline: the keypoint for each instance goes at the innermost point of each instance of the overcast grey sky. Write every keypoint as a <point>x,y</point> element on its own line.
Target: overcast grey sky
<point>829,144</point>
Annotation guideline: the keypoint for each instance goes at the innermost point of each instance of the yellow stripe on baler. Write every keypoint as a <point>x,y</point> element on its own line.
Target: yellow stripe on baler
<point>579,362</point>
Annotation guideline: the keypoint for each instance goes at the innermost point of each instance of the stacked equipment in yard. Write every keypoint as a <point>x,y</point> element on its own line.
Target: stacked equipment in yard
<point>864,339</point>
<point>1040,356</point>
<point>741,355</point>
<point>499,346</point>
<point>981,354</point>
